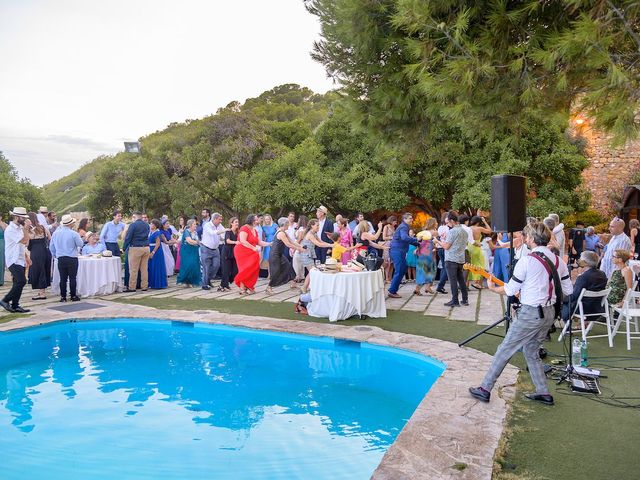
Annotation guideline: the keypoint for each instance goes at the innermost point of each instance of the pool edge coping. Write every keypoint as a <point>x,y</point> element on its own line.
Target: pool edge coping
<point>449,436</point>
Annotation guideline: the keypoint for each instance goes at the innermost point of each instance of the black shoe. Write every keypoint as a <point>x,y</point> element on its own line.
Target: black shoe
<point>6,306</point>
<point>19,309</point>
<point>543,399</point>
<point>441,290</point>
<point>464,303</point>
<point>480,393</point>
<point>63,299</point>
<point>206,287</point>
<point>128,290</point>
<point>452,304</point>
<point>75,298</point>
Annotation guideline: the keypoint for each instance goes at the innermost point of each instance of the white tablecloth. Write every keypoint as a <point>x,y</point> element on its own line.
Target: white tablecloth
<point>96,276</point>
<point>338,296</point>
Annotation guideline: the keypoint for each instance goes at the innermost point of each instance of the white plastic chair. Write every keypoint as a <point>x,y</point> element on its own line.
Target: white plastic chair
<point>584,317</point>
<point>629,313</point>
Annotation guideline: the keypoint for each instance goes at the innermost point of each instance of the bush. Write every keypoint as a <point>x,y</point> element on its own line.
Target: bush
<point>588,217</point>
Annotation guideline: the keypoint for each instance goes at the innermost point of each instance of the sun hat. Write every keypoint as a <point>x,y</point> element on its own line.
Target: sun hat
<point>43,210</point>
<point>67,220</point>
<point>323,209</point>
<point>19,212</point>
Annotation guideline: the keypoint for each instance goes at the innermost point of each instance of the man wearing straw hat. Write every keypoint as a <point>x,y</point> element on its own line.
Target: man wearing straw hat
<point>42,217</point>
<point>16,238</point>
<point>65,245</point>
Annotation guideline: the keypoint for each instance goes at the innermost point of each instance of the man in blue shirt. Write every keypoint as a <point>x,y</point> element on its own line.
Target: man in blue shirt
<point>64,246</point>
<point>136,244</point>
<point>398,253</point>
<point>111,232</point>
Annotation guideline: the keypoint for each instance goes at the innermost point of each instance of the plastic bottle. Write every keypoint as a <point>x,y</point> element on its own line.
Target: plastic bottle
<point>576,353</point>
<point>583,354</point>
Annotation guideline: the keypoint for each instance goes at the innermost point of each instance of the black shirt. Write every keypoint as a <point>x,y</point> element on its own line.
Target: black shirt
<point>577,236</point>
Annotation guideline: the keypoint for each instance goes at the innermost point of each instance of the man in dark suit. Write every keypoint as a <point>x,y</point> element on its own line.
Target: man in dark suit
<point>592,279</point>
<point>324,233</point>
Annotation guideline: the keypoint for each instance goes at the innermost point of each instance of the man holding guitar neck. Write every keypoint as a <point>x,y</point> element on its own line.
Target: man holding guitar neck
<point>542,279</point>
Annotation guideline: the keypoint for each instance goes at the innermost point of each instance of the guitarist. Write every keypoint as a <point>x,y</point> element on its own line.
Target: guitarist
<point>542,279</point>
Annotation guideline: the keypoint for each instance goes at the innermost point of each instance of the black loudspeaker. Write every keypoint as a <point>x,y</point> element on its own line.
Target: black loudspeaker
<point>508,203</point>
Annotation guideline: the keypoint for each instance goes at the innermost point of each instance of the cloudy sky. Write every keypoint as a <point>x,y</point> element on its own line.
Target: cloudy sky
<point>79,77</point>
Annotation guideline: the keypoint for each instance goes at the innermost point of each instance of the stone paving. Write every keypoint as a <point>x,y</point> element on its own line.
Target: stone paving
<point>484,308</point>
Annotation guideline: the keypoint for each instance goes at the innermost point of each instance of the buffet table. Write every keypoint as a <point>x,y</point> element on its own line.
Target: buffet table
<point>338,296</point>
<point>96,276</point>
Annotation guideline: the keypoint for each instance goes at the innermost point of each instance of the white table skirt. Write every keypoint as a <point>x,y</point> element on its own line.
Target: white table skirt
<point>338,296</point>
<point>96,276</point>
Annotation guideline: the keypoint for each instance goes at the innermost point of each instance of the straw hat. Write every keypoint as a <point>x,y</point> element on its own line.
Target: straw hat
<point>67,220</point>
<point>43,210</point>
<point>19,212</point>
<point>323,209</point>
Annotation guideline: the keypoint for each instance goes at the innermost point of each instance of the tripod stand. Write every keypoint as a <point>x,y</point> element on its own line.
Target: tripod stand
<point>507,316</point>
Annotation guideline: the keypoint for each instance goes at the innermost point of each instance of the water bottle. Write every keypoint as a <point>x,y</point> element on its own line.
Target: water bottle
<point>583,354</point>
<point>576,354</point>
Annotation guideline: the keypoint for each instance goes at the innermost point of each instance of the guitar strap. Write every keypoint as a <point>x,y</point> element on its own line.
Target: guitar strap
<point>554,279</point>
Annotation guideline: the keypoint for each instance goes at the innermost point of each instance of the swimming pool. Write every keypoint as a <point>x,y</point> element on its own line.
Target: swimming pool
<point>151,398</point>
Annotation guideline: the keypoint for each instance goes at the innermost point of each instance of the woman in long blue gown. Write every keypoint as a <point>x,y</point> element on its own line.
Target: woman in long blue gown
<point>269,229</point>
<point>189,256</point>
<point>157,267</point>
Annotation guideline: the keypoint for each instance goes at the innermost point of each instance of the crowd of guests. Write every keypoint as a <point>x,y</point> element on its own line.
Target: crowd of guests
<point>208,250</point>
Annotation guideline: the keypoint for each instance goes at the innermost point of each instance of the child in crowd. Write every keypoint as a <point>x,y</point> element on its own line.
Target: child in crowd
<point>339,252</point>
<point>412,260</point>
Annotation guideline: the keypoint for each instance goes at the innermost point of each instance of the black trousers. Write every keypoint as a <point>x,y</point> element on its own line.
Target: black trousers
<point>456,281</point>
<point>229,271</point>
<point>19,281</point>
<point>68,268</point>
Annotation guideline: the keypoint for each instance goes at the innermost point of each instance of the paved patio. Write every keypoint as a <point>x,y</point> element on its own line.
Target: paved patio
<point>484,308</point>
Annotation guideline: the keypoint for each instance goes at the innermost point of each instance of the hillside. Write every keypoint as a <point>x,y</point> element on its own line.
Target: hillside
<point>69,193</point>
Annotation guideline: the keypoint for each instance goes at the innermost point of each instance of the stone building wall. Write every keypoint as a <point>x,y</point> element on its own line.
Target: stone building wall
<point>610,169</point>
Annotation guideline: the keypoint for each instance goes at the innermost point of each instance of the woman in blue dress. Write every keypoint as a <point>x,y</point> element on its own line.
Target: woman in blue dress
<point>269,230</point>
<point>157,267</point>
<point>426,254</point>
<point>189,256</point>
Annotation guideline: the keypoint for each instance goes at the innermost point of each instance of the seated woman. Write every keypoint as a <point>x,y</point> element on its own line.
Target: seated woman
<point>591,279</point>
<point>622,277</point>
<point>93,244</point>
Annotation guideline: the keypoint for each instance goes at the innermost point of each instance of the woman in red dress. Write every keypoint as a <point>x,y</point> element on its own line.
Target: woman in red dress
<point>247,253</point>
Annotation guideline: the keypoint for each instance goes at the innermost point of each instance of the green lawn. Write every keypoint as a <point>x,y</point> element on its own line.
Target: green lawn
<point>581,437</point>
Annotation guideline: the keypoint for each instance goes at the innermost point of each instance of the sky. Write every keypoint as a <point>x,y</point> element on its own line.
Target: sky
<point>80,77</point>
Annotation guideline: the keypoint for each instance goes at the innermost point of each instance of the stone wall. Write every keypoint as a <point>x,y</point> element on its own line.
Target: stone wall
<point>610,168</point>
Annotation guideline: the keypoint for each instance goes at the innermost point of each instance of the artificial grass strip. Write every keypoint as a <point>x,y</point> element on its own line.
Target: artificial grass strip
<point>578,438</point>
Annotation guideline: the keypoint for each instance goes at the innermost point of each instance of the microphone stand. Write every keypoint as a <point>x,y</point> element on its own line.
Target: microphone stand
<point>507,316</point>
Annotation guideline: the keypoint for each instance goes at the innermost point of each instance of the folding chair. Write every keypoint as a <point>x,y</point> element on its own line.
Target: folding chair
<point>629,313</point>
<point>584,317</point>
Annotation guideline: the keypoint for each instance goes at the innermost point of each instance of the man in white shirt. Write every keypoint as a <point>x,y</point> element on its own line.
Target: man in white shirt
<point>212,234</point>
<point>291,233</point>
<point>16,239</point>
<point>558,232</point>
<point>619,241</point>
<point>42,217</point>
<point>536,315</point>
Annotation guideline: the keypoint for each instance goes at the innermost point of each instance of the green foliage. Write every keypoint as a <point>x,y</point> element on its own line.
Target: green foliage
<point>198,163</point>
<point>15,191</point>
<point>70,193</point>
<point>588,217</point>
<point>482,65</point>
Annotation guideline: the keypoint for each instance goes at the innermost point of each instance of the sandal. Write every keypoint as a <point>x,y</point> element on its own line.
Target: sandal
<point>417,292</point>
<point>243,291</point>
<point>251,291</point>
<point>38,298</point>
<point>269,290</point>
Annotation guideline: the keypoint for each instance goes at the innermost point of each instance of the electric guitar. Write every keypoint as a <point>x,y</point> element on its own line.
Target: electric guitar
<point>481,271</point>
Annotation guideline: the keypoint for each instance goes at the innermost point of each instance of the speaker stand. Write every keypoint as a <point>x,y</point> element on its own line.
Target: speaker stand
<point>507,316</point>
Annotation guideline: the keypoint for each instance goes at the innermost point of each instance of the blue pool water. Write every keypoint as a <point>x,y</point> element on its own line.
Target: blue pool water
<point>132,399</point>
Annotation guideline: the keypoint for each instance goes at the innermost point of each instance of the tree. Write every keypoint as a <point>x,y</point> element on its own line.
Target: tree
<point>15,191</point>
<point>482,65</point>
